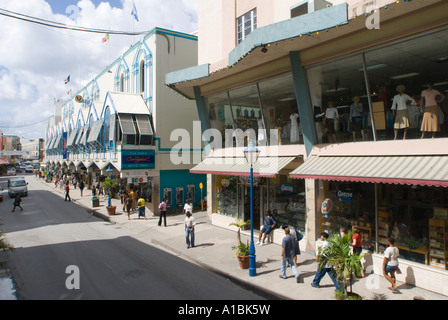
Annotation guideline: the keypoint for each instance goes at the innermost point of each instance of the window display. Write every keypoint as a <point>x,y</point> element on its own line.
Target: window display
<point>226,195</point>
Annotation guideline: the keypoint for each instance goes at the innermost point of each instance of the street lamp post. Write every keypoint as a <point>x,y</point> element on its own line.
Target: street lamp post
<point>251,153</point>
<point>109,174</point>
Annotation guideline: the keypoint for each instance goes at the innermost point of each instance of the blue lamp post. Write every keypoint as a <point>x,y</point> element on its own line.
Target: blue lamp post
<point>251,153</point>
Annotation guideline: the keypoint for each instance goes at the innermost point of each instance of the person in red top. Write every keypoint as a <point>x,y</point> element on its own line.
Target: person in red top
<point>357,244</point>
<point>67,190</point>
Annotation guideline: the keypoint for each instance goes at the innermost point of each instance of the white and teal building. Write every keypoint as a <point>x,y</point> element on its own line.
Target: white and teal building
<point>121,122</point>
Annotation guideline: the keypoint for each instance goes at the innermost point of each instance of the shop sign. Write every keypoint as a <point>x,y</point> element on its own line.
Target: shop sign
<point>286,188</point>
<point>327,207</point>
<point>134,174</point>
<point>138,159</point>
<point>345,196</point>
<point>138,180</point>
<point>246,181</point>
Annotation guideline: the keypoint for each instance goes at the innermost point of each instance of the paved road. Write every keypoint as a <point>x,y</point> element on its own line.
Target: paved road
<point>51,235</point>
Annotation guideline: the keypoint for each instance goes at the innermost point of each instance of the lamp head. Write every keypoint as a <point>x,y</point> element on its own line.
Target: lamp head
<point>251,153</point>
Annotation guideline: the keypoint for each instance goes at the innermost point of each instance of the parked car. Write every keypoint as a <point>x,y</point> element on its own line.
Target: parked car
<point>29,169</point>
<point>11,172</point>
<point>17,186</point>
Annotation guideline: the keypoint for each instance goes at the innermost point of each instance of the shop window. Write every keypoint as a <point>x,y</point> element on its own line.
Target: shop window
<point>226,195</point>
<point>280,110</point>
<point>416,217</point>
<point>339,98</point>
<point>142,76</point>
<point>344,205</point>
<point>411,65</point>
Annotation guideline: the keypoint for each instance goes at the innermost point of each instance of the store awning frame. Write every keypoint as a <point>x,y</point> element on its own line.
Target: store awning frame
<point>268,167</point>
<point>423,170</point>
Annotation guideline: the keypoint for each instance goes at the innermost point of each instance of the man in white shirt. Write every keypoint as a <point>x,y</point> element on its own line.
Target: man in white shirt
<point>390,264</point>
<point>188,207</point>
<point>189,229</point>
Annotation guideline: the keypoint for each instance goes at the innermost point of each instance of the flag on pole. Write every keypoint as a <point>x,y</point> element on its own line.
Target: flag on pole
<point>67,80</point>
<point>106,38</point>
<point>134,12</point>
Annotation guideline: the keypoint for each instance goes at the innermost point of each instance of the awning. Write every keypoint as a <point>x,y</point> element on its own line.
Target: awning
<point>72,137</point>
<point>95,133</point>
<point>3,161</point>
<point>429,170</point>
<point>57,142</point>
<point>232,166</point>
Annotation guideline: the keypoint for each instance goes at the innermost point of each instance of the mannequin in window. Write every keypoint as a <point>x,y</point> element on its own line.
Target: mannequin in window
<point>356,117</point>
<point>295,131</point>
<point>331,116</point>
<point>430,121</point>
<point>400,111</point>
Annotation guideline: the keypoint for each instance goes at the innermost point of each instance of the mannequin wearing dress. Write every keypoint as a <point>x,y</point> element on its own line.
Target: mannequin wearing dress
<point>295,133</point>
<point>400,111</point>
<point>430,122</point>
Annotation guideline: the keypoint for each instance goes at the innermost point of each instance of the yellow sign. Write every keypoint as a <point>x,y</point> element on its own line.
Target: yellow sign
<point>201,185</point>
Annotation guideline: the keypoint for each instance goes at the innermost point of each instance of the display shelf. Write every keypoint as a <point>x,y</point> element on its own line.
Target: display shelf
<point>384,221</point>
<point>438,243</point>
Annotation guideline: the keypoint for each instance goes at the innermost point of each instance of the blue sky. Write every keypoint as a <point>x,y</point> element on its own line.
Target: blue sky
<point>60,6</point>
<point>35,60</point>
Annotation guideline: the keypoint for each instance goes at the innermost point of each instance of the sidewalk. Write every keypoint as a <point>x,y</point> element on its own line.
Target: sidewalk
<point>213,251</point>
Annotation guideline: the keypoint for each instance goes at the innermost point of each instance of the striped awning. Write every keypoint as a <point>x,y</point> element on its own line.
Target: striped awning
<point>233,166</point>
<point>4,161</point>
<point>410,170</point>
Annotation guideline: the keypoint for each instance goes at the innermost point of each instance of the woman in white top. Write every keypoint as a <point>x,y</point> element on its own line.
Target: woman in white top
<point>400,111</point>
<point>390,264</point>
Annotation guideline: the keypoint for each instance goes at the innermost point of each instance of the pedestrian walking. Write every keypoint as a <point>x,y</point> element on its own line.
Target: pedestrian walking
<point>327,268</point>
<point>128,204</point>
<point>357,245</point>
<point>67,192</point>
<point>93,190</point>
<point>268,226</point>
<point>141,208</point>
<point>17,201</point>
<point>133,196</point>
<point>162,212</point>
<point>189,229</point>
<point>75,182</point>
<point>289,252</point>
<point>188,207</point>
<point>81,186</point>
<point>390,264</point>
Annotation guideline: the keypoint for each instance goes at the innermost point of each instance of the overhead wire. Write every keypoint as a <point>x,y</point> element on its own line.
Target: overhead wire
<point>53,24</point>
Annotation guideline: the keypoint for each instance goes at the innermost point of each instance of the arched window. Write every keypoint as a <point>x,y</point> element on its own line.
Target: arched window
<point>121,86</point>
<point>142,76</point>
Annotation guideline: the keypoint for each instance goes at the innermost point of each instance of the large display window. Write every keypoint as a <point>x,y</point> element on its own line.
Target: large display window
<point>265,111</point>
<point>381,94</point>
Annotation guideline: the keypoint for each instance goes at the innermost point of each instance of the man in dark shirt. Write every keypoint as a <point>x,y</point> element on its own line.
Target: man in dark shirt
<point>269,225</point>
<point>289,251</point>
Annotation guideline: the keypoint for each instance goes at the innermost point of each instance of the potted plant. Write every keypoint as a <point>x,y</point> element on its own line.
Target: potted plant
<point>241,249</point>
<point>108,184</point>
<point>345,264</point>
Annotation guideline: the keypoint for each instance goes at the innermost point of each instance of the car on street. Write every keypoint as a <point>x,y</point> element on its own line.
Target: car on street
<point>17,186</point>
<point>11,172</point>
<point>29,169</point>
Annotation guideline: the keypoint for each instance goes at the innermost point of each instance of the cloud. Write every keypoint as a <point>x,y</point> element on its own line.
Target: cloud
<point>35,60</point>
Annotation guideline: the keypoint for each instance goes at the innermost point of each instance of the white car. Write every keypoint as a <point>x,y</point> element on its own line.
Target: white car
<point>11,172</point>
<point>29,169</point>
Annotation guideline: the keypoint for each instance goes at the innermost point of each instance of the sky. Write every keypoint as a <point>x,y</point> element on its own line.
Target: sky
<point>35,60</point>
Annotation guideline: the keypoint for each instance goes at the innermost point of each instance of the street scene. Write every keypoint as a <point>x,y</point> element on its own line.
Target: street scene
<point>250,153</point>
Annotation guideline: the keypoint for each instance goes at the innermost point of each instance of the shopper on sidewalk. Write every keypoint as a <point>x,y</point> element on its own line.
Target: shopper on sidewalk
<point>17,202</point>
<point>133,196</point>
<point>81,186</point>
<point>141,208</point>
<point>162,212</point>
<point>268,226</point>
<point>390,264</point>
<point>128,205</point>
<point>189,229</point>
<point>326,269</point>
<point>289,251</point>
<point>67,192</point>
<point>188,207</point>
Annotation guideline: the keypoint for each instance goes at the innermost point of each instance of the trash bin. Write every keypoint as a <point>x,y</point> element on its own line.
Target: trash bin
<point>95,202</point>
